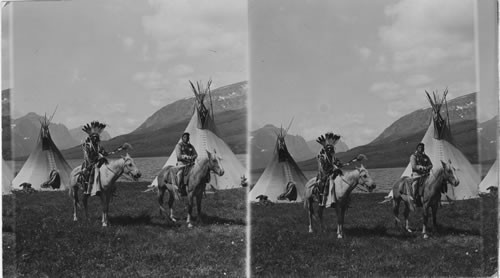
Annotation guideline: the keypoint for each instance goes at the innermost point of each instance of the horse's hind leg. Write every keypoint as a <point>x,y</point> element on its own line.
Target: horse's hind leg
<point>161,193</point>
<point>395,210</point>
<point>426,217</point>
<point>171,200</point>
<point>85,199</point>
<point>320,215</point>
<point>406,215</point>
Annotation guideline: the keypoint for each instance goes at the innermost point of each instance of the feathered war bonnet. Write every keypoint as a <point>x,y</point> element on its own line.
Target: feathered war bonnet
<point>329,139</point>
<point>94,128</point>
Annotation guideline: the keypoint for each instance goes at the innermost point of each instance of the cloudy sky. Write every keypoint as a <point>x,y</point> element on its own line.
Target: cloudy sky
<point>354,67</point>
<point>118,61</point>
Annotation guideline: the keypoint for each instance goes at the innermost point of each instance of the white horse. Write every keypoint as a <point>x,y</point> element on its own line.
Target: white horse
<point>344,185</point>
<point>197,179</point>
<point>109,173</point>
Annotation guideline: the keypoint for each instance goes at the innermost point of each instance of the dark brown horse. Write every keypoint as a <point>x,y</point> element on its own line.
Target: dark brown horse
<point>196,181</point>
<point>432,186</point>
<point>344,185</point>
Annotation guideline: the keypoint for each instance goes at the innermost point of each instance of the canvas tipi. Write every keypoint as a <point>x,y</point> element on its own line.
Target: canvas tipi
<point>439,146</point>
<point>204,136</point>
<point>280,170</point>
<point>491,179</point>
<point>42,162</point>
<point>7,176</point>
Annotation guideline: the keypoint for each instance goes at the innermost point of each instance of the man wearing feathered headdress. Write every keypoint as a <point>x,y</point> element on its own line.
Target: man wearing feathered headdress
<point>328,165</point>
<point>93,153</point>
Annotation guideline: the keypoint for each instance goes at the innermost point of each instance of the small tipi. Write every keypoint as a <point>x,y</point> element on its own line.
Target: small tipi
<point>280,170</point>
<point>491,179</point>
<point>204,136</point>
<point>439,146</point>
<point>7,176</point>
<point>41,163</point>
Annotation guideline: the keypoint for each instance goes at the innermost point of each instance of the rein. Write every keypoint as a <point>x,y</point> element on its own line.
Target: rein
<point>126,176</point>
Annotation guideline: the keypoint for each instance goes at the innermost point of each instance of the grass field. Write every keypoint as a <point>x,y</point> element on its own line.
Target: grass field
<point>40,238</point>
<point>465,245</point>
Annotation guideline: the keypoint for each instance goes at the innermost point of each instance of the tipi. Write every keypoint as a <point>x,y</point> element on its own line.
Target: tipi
<point>204,136</point>
<point>491,179</point>
<point>439,146</point>
<point>280,170</point>
<point>7,176</point>
<point>41,163</point>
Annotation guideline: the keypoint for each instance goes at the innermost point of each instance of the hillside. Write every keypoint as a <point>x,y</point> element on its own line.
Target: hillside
<point>230,97</point>
<point>161,142</point>
<point>396,153</point>
<point>462,108</point>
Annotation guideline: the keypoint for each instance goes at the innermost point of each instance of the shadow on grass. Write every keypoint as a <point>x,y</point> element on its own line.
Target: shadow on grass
<point>215,220</point>
<point>395,232</point>
<point>143,219</point>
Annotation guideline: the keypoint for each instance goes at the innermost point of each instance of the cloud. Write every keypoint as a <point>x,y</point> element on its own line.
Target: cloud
<point>387,90</point>
<point>194,28</point>
<point>418,80</point>
<point>365,52</point>
<point>128,42</point>
<point>428,33</point>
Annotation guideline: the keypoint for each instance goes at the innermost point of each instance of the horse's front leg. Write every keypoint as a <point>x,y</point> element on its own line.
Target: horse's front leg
<point>340,220</point>
<point>75,202</point>
<point>199,196</point>
<point>105,206</point>
<point>190,209</point>
<point>320,216</point>
<point>311,212</point>
<point>434,217</point>
<point>426,217</point>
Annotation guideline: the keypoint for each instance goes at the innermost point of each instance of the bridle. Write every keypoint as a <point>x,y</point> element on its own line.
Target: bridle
<point>357,183</point>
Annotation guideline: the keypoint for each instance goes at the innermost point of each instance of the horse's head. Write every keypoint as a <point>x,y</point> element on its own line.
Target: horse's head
<point>130,168</point>
<point>365,180</point>
<point>449,173</point>
<point>214,163</point>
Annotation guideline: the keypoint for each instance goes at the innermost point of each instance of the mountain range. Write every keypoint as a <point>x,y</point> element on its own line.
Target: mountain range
<point>263,143</point>
<point>394,145</point>
<point>159,133</point>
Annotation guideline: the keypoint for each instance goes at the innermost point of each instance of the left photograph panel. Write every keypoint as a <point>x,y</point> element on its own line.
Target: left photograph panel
<point>124,138</point>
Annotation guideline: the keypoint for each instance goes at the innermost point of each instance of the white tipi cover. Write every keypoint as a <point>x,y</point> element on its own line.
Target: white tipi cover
<point>204,138</point>
<point>438,150</point>
<point>42,160</point>
<point>491,179</point>
<point>272,183</point>
<point>7,176</point>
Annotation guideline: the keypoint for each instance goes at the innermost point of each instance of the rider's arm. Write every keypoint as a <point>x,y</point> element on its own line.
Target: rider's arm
<point>178,152</point>
<point>195,155</point>
<point>413,162</point>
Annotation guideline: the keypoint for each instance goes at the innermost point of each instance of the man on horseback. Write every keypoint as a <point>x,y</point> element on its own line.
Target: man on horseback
<point>93,154</point>
<point>186,155</point>
<point>328,165</point>
<point>421,165</point>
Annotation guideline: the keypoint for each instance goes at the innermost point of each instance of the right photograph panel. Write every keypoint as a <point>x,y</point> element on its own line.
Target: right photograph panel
<point>372,127</point>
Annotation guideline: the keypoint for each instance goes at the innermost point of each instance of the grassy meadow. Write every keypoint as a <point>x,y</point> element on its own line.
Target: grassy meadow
<point>465,245</point>
<point>40,238</point>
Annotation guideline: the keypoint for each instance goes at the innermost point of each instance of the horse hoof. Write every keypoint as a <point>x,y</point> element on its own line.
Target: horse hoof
<point>310,230</point>
<point>426,236</point>
<point>340,236</point>
<point>409,230</point>
<point>173,219</point>
<point>190,226</point>
<point>104,224</point>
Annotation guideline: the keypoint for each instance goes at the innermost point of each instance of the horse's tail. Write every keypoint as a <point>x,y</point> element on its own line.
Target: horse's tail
<point>387,199</point>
